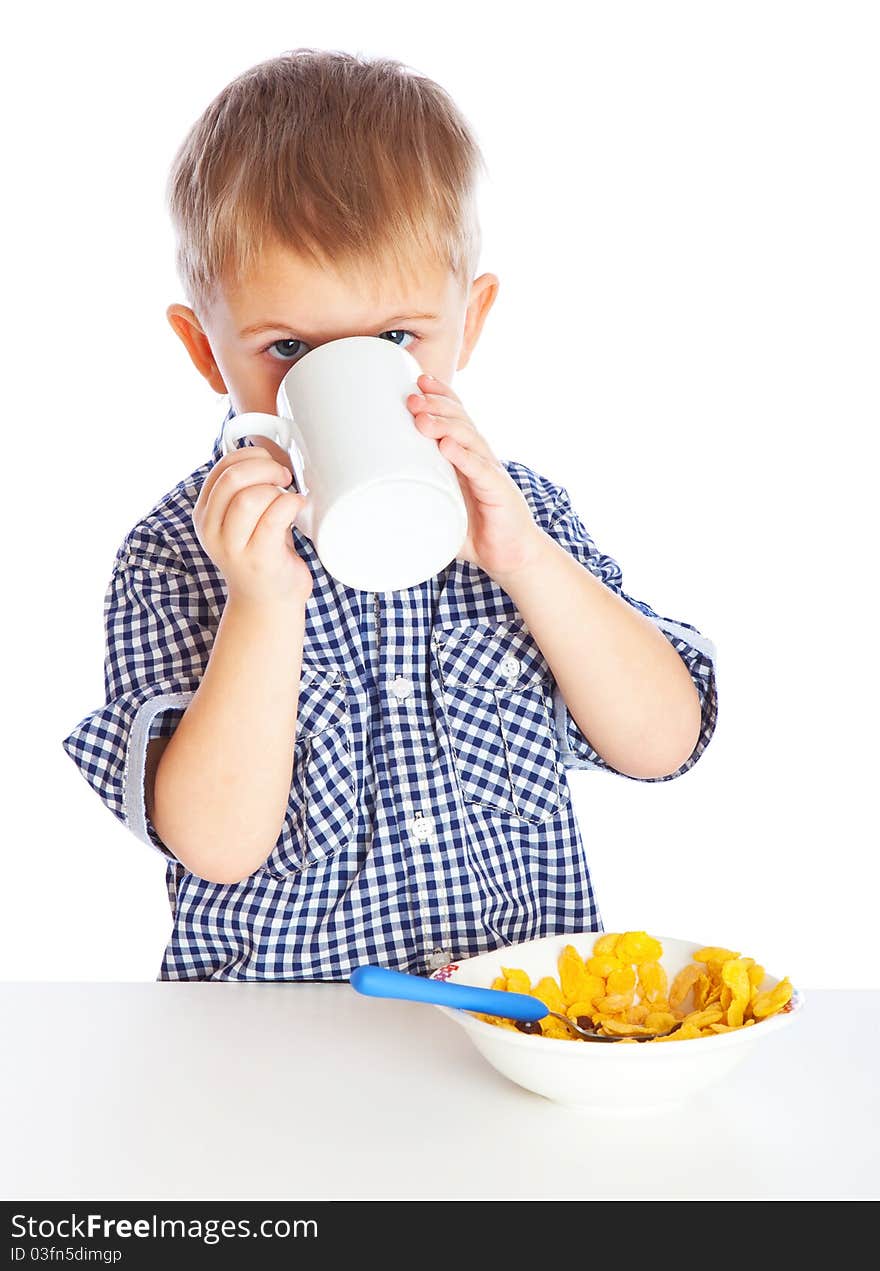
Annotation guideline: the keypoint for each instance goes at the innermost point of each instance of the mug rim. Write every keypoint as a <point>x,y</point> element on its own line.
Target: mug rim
<point>329,344</point>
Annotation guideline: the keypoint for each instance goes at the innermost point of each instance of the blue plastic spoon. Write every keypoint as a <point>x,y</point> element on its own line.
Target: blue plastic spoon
<point>377,981</point>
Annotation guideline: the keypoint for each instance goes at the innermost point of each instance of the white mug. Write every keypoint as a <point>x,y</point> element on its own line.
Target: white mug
<point>384,508</point>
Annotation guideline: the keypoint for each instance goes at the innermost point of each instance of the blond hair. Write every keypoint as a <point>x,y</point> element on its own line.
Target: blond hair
<point>359,164</point>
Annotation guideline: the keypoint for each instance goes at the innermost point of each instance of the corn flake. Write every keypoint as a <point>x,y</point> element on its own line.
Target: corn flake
<point>653,982</point>
<point>549,992</point>
<point>517,981</point>
<point>621,981</point>
<point>604,964</point>
<point>605,944</point>
<point>769,1003</point>
<point>712,954</point>
<point>638,947</point>
<point>683,983</point>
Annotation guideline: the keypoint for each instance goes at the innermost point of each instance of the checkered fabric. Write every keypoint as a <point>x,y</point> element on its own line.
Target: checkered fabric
<point>429,815</point>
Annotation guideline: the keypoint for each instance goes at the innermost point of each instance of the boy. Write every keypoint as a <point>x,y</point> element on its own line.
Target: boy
<point>335,776</point>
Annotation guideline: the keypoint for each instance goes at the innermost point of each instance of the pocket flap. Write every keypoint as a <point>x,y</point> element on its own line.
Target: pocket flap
<point>322,700</point>
<point>490,655</point>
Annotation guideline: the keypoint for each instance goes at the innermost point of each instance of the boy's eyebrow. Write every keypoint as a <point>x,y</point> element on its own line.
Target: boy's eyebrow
<point>257,327</point>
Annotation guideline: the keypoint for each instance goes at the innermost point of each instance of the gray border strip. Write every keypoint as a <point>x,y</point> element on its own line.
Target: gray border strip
<point>693,638</point>
<point>135,762</point>
<point>569,758</point>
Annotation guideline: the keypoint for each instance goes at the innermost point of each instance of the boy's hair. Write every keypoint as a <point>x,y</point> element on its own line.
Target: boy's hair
<point>359,164</point>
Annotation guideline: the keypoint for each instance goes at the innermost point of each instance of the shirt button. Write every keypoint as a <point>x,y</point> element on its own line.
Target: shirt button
<point>401,687</point>
<point>510,667</point>
<point>438,959</point>
<point>422,827</point>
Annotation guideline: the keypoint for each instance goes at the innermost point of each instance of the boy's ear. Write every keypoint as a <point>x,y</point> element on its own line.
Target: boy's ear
<point>483,292</point>
<point>187,326</point>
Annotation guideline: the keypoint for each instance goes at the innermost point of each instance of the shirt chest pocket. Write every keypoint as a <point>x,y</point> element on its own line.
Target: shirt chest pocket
<point>322,804</point>
<point>497,698</point>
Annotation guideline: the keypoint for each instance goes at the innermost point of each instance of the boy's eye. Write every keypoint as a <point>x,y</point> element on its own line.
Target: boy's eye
<point>287,353</point>
<point>391,334</point>
<point>291,349</point>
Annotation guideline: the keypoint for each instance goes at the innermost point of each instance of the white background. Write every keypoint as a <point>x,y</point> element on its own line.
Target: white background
<point>683,211</point>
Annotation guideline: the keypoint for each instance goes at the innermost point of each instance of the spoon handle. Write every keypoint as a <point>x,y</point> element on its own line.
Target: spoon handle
<point>377,981</point>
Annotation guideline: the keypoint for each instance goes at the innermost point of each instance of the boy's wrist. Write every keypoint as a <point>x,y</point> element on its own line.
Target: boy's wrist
<point>262,609</point>
<point>533,561</point>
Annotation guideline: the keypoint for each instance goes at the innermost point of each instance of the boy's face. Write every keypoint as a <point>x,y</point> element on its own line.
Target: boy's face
<point>302,306</point>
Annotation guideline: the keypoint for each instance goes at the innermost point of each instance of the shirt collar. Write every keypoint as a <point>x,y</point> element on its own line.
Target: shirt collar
<point>217,452</point>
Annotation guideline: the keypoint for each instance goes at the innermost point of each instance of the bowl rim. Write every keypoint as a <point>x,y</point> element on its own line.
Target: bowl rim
<point>507,1036</point>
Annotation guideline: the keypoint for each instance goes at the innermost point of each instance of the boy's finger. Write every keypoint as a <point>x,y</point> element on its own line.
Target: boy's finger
<point>212,508</point>
<point>481,470</point>
<point>243,514</point>
<point>278,516</point>
<point>436,405</point>
<point>244,455</point>
<point>460,430</point>
<point>429,384</point>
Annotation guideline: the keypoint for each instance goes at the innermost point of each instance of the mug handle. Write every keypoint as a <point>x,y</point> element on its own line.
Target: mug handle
<point>280,429</point>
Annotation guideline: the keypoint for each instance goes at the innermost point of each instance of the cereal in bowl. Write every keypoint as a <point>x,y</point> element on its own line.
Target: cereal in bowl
<point>621,988</point>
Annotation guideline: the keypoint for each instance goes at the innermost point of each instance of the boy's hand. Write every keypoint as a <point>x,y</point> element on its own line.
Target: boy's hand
<point>243,522</point>
<point>502,536</point>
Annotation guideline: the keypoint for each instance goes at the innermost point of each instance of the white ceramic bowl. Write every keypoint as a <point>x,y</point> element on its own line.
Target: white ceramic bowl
<point>595,1076</point>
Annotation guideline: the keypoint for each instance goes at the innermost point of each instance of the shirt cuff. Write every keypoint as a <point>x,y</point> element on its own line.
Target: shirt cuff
<point>158,717</point>
<point>110,749</point>
<point>699,655</point>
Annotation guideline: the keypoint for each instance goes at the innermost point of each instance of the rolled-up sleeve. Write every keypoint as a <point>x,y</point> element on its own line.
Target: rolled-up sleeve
<point>159,634</point>
<point>696,651</point>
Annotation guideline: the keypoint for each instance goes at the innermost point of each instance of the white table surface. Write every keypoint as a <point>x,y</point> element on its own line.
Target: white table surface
<point>223,1091</point>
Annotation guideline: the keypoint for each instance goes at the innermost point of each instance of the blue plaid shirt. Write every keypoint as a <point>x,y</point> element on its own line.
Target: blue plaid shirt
<point>429,815</point>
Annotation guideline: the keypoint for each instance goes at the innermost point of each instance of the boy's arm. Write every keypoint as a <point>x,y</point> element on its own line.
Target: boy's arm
<point>643,705</point>
<point>163,611</point>
<point>625,686</point>
<point>603,696</point>
<point>221,783</point>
